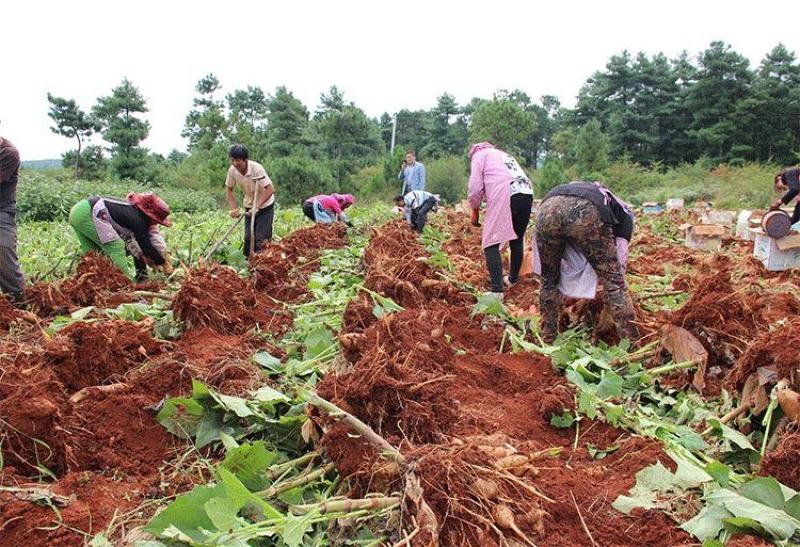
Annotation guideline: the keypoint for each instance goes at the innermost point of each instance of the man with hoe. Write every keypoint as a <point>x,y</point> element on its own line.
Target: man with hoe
<point>259,194</point>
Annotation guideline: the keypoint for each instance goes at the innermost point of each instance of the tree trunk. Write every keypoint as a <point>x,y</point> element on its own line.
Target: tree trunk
<point>78,158</point>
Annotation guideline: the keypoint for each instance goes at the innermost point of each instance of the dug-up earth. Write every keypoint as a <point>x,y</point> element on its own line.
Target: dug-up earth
<point>77,408</point>
<point>472,422</point>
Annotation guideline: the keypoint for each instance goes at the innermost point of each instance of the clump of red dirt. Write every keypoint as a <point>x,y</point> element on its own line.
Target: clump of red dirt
<point>783,462</point>
<point>32,406</point>
<point>8,314</point>
<point>94,353</point>
<point>219,299</point>
<point>95,281</point>
<point>282,269</point>
<point>396,267</point>
<point>94,501</point>
<point>778,350</point>
<point>719,316</point>
<point>119,431</point>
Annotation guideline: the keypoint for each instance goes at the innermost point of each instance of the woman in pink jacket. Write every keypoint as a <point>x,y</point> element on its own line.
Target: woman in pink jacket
<point>496,178</point>
<point>328,208</point>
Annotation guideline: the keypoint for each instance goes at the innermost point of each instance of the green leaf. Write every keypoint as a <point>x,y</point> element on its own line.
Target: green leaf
<point>610,385</point>
<point>777,522</point>
<point>488,304</point>
<point>181,416</point>
<point>316,342</point>
<point>741,525</point>
<point>266,394</point>
<point>731,434</point>
<point>598,453</point>
<point>613,413</point>
<point>764,490</point>
<point>793,506</point>
<point>236,405</point>
<point>586,404</point>
<point>186,514</point>
<point>295,528</point>
<point>720,472</point>
<point>223,512</point>
<point>708,523</point>
<point>563,420</point>
<point>242,496</point>
<point>268,361</point>
<point>248,463</point>
<point>210,428</point>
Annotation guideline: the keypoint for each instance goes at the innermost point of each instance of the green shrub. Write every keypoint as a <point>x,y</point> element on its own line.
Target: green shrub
<point>549,176</point>
<point>44,197</point>
<point>298,177</point>
<point>448,177</point>
<point>370,182</point>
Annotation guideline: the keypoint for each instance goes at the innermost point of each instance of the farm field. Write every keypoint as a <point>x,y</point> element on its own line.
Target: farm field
<point>355,387</point>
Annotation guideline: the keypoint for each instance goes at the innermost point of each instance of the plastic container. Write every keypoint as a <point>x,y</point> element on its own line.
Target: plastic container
<point>777,224</point>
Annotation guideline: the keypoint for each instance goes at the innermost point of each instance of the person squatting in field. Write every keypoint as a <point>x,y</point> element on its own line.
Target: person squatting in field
<point>416,205</point>
<point>116,227</point>
<point>11,281</point>
<point>496,178</point>
<point>582,233</point>
<point>412,173</point>
<point>328,208</point>
<point>256,185</point>
<point>788,181</point>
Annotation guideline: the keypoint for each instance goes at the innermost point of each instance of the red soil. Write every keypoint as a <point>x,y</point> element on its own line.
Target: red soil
<point>783,462</point>
<point>778,350</point>
<point>97,499</point>
<point>89,354</point>
<point>282,269</point>
<point>218,298</point>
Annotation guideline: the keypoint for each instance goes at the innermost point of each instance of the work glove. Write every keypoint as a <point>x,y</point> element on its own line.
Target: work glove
<point>475,217</point>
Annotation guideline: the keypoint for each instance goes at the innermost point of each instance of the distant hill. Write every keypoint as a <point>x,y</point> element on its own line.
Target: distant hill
<point>42,164</point>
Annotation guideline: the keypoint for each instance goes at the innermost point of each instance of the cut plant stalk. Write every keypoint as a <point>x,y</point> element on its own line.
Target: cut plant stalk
<point>346,505</point>
<point>357,425</point>
<point>300,480</point>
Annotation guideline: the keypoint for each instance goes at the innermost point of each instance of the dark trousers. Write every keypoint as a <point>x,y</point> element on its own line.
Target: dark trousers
<point>308,210</point>
<point>419,216</point>
<point>263,228</point>
<point>796,214</point>
<point>574,220</point>
<point>11,281</point>
<point>520,217</point>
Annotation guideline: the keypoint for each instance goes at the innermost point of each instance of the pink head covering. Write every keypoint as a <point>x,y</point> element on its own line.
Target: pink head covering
<point>346,200</point>
<point>478,147</point>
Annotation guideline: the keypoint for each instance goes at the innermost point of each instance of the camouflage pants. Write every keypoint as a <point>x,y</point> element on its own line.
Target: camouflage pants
<point>567,219</point>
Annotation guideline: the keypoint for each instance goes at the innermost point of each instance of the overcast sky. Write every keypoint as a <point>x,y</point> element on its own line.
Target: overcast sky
<point>384,55</point>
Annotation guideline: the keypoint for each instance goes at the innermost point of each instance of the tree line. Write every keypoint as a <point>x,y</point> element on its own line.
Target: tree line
<point>647,109</point>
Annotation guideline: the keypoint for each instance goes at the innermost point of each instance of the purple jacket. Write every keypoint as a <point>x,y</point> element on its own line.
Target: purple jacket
<point>490,181</point>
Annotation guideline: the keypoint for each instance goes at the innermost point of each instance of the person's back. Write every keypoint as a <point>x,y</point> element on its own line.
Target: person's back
<point>9,174</point>
<point>12,282</point>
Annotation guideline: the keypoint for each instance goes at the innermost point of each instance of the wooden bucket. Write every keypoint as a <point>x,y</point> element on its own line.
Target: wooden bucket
<point>777,224</point>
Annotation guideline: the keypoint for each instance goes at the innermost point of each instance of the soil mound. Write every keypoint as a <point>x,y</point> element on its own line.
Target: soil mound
<point>783,462</point>
<point>719,317</point>
<point>119,431</point>
<point>8,314</point>
<point>96,280</point>
<point>308,242</point>
<point>219,299</point>
<point>97,500</point>
<point>396,267</point>
<point>778,350</point>
<point>93,353</point>
<point>282,269</point>
<point>32,407</point>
